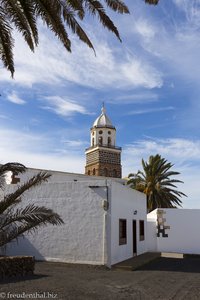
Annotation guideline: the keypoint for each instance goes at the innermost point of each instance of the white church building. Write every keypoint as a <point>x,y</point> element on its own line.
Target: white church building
<point>105,220</point>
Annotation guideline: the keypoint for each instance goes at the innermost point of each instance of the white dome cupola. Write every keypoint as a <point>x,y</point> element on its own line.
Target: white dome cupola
<point>103,133</point>
<point>103,120</point>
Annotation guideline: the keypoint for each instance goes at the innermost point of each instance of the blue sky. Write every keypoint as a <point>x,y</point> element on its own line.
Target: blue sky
<point>149,83</point>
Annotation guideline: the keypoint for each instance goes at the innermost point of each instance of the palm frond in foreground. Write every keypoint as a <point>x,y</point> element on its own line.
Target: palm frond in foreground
<point>14,222</point>
<point>58,15</point>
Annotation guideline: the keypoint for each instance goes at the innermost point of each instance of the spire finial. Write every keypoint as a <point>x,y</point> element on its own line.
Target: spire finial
<point>103,108</point>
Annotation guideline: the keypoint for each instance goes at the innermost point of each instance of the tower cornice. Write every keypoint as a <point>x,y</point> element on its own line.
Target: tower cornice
<point>103,147</point>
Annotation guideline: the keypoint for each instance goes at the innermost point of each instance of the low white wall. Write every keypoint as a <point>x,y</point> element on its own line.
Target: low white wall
<point>182,229</point>
<point>184,232</point>
<point>124,201</point>
<point>152,231</point>
<point>151,236</point>
<point>80,239</point>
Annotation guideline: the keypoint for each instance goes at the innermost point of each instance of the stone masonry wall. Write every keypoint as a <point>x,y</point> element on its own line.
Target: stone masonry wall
<point>104,169</point>
<point>103,156</point>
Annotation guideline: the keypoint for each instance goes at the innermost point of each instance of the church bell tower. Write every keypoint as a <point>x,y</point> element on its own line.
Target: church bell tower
<point>103,158</point>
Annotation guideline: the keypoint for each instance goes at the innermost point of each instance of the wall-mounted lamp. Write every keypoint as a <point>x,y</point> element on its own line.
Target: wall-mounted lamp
<point>135,212</point>
<point>105,205</point>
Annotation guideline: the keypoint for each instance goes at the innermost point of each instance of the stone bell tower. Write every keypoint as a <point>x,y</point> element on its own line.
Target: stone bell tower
<point>103,158</point>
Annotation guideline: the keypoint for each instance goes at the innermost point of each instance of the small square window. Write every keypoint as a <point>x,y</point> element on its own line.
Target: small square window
<point>141,230</point>
<point>122,232</point>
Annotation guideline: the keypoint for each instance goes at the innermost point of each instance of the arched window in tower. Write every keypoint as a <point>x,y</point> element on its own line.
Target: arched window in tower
<point>100,141</point>
<point>92,141</point>
<point>109,141</point>
<point>88,172</point>
<point>93,172</point>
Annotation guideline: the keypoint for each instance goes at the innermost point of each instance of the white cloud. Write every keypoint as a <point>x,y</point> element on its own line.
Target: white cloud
<point>14,98</point>
<point>174,42</point>
<point>63,107</point>
<point>141,74</point>
<point>145,29</point>
<point>191,9</point>
<point>75,143</point>
<point>21,141</point>
<point>38,151</point>
<point>139,97</point>
<point>53,65</point>
<point>150,110</point>
<point>3,117</point>
<point>67,163</point>
<point>180,150</point>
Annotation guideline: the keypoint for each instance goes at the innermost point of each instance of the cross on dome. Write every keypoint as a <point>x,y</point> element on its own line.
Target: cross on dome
<point>103,109</point>
<point>103,120</point>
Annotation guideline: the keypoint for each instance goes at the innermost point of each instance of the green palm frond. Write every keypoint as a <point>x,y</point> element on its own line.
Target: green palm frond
<point>6,43</point>
<point>154,2</point>
<point>15,14</point>
<point>15,222</point>
<point>49,11</point>
<point>69,18</point>
<point>156,182</point>
<point>27,220</point>
<point>33,214</point>
<point>77,6</point>
<point>96,9</point>
<point>57,15</point>
<point>13,198</point>
<point>14,167</point>
<point>28,9</point>
<point>117,5</point>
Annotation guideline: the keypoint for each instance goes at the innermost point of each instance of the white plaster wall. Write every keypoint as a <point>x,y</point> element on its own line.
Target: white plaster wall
<point>80,239</point>
<point>90,234</point>
<point>184,233</point>
<point>92,135</point>
<point>63,176</point>
<point>124,201</point>
<point>104,135</point>
<point>56,176</point>
<point>152,231</point>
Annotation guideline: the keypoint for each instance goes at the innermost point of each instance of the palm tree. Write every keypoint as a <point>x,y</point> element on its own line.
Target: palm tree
<point>155,181</point>
<point>154,2</point>
<point>57,15</point>
<point>14,222</point>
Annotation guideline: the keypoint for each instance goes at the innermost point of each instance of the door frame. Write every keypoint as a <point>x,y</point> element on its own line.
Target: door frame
<point>134,234</point>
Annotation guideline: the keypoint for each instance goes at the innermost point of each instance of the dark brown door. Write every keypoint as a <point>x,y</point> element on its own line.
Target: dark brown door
<point>134,237</point>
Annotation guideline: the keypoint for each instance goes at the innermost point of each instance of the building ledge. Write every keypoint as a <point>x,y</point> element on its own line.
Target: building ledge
<point>103,146</point>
